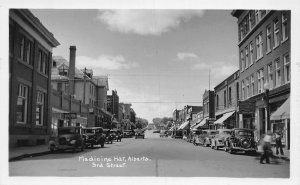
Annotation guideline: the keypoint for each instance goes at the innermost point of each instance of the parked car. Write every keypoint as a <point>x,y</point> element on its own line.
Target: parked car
<point>127,133</point>
<point>94,136</point>
<point>241,139</point>
<point>67,138</point>
<point>163,133</point>
<point>139,134</point>
<point>108,136</point>
<point>195,134</point>
<point>178,134</point>
<point>205,137</point>
<point>219,139</point>
<point>116,135</point>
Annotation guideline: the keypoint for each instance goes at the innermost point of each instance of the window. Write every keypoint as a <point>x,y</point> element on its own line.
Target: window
<point>63,71</point>
<point>217,100</point>
<point>284,26</point>
<point>252,85</point>
<point>40,103</point>
<point>251,53</point>
<point>242,61</point>
<point>259,48</point>
<point>262,13</point>
<point>251,19</point>
<point>42,62</point>
<point>268,39</point>
<point>25,49</point>
<point>277,73</point>
<point>229,96</point>
<point>246,58</point>
<point>59,86</point>
<point>276,33</point>
<point>22,104</point>
<point>257,16</point>
<point>270,75</point>
<point>260,81</point>
<point>225,103</point>
<point>243,90</point>
<point>286,72</point>
<point>247,88</point>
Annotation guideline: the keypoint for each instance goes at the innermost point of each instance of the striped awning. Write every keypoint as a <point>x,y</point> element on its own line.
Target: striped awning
<point>201,123</point>
<point>283,112</point>
<point>224,118</point>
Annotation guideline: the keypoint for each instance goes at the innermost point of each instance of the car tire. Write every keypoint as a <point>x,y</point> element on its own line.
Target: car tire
<point>52,148</point>
<point>230,149</point>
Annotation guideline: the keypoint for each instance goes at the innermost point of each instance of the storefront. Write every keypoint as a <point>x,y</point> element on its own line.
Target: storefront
<point>227,120</point>
<point>280,122</point>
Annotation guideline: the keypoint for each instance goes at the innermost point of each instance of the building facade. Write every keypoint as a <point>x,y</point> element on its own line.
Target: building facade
<point>264,62</point>
<point>208,109</point>
<point>226,102</point>
<point>30,55</point>
<point>84,87</point>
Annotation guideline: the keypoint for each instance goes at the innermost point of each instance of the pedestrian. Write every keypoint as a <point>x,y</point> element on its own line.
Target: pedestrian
<point>278,143</point>
<point>266,148</point>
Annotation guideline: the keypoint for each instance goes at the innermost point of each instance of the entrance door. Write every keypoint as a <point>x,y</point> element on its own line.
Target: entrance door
<point>262,121</point>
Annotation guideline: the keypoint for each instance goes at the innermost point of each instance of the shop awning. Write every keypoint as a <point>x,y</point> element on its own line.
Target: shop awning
<point>201,123</point>
<point>224,118</point>
<point>283,112</point>
<point>184,125</point>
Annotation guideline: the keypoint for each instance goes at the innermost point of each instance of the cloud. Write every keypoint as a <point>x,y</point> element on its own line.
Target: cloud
<point>146,22</point>
<point>187,56</point>
<point>105,62</point>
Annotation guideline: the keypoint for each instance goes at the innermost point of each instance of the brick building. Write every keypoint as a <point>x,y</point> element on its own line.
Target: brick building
<point>226,102</point>
<point>264,62</point>
<point>83,86</point>
<point>30,55</point>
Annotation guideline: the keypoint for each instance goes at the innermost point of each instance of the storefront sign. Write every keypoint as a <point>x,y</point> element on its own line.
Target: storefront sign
<point>70,115</point>
<point>247,107</point>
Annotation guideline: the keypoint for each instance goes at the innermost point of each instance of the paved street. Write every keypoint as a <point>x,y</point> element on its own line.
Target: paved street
<point>152,156</point>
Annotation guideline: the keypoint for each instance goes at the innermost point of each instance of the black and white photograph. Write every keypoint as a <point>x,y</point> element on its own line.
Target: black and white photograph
<point>149,93</point>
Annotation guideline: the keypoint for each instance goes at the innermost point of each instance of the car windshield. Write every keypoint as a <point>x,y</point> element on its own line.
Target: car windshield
<point>226,132</point>
<point>214,132</point>
<point>89,131</point>
<point>244,133</point>
<point>68,131</point>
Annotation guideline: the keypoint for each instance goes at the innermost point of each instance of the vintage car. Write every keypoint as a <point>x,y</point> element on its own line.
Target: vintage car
<point>94,136</point>
<point>116,135</point>
<point>178,134</point>
<point>139,134</point>
<point>194,135</point>
<point>241,139</point>
<point>205,137</point>
<point>163,133</point>
<point>127,133</point>
<point>108,136</point>
<point>68,138</point>
<point>219,139</point>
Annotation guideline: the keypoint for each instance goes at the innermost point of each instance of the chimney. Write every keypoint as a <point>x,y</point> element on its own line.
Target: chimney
<point>71,71</point>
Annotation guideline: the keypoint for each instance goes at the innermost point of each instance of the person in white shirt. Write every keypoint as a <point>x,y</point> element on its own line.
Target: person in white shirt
<point>266,148</point>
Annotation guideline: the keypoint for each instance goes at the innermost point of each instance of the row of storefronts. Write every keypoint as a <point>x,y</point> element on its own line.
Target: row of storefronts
<point>257,96</point>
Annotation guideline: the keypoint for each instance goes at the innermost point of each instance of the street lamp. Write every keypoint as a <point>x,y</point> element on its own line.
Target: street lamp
<point>266,87</point>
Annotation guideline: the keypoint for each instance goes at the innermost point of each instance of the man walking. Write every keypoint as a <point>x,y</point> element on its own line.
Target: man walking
<point>266,148</point>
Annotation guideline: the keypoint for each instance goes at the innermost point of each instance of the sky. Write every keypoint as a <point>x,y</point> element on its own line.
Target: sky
<point>158,60</point>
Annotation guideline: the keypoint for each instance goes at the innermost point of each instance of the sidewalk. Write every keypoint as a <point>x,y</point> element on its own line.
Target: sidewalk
<point>26,151</point>
<point>286,155</point>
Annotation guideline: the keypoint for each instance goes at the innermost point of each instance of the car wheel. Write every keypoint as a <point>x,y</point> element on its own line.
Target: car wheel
<point>230,149</point>
<point>52,148</point>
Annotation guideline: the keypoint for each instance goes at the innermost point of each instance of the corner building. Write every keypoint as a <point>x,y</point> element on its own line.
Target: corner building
<point>30,56</point>
<point>264,63</point>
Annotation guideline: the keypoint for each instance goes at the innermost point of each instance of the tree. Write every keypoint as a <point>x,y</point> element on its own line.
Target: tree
<point>141,123</point>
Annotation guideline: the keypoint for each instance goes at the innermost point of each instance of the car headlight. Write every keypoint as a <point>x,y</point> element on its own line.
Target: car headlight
<point>73,142</point>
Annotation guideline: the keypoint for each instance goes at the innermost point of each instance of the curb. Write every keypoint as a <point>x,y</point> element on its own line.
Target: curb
<point>11,159</point>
